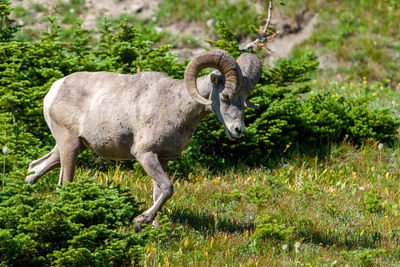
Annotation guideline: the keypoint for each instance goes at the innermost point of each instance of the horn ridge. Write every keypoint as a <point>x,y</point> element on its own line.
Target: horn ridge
<point>212,59</point>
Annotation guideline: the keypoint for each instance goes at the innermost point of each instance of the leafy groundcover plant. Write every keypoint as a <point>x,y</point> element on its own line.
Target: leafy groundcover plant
<point>79,225</point>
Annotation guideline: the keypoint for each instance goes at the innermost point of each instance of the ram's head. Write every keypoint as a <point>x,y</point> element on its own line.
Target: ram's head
<point>231,85</point>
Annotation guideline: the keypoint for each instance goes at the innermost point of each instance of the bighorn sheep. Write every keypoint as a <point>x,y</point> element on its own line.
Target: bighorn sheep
<point>147,116</point>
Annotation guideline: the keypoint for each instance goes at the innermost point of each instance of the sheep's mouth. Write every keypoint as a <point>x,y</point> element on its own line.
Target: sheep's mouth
<point>230,135</point>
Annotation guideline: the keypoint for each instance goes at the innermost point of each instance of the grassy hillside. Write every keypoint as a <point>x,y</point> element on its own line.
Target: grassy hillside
<point>329,209</point>
<point>343,209</point>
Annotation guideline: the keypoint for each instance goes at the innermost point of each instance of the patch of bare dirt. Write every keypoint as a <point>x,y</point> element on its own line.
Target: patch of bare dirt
<point>328,61</point>
<point>188,28</point>
<point>291,33</point>
<point>107,8</point>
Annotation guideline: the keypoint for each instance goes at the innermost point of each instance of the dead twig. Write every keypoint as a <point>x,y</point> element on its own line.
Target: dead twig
<point>263,37</point>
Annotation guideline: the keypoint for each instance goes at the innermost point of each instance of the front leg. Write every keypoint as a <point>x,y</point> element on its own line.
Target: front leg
<point>163,187</point>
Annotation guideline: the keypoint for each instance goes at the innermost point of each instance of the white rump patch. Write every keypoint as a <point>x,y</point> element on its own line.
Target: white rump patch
<point>51,95</point>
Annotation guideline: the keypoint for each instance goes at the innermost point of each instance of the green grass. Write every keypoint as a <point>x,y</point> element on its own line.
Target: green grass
<point>341,209</point>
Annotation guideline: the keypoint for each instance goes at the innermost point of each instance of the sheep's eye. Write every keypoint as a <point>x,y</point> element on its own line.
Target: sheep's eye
<point>225,96</point>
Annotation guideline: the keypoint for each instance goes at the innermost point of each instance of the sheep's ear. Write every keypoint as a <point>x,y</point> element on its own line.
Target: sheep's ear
<point>214,79</point>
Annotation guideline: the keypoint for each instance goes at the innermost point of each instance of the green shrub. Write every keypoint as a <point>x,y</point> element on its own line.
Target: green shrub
<point>373,202</point>
<point>7,25</point>
<point>258,194</point>
<point>269,228</point>
<point>234,195</point>
<point>77,225</point>
<point>363,257</point>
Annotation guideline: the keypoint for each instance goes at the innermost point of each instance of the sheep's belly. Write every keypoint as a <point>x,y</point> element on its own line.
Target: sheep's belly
<point>111,148</point>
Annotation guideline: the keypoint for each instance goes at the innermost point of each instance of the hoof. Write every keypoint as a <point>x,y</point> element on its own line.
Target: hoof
<point>156,223</point>
<point>139,221</point>
<point>31,179</point>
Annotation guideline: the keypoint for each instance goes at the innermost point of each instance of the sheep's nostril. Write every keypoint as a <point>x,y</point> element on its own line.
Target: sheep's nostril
<point>238,130</point>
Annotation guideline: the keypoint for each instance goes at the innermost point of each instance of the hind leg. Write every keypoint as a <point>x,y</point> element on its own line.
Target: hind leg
<point>157,190</point>
<point>70,148</point>
<point>43,165</point>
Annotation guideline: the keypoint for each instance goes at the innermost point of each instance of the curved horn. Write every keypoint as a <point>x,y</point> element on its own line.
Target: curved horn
<point>212,59</point>
<point>251,66</point>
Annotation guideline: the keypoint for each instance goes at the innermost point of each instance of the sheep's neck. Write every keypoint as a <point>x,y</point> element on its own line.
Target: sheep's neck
<point>192,110</point>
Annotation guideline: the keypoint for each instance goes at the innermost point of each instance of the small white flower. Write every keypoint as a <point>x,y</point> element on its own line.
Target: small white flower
<point>380,146</point>
<point>285,247</point>
<point>159,29</point>
<point>5,150</point>
<point>362,188</point>
<point>297,246</point>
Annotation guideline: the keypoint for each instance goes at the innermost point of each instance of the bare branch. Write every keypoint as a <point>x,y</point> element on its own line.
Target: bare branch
<point>269,17</point>
<point>263,37</point>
